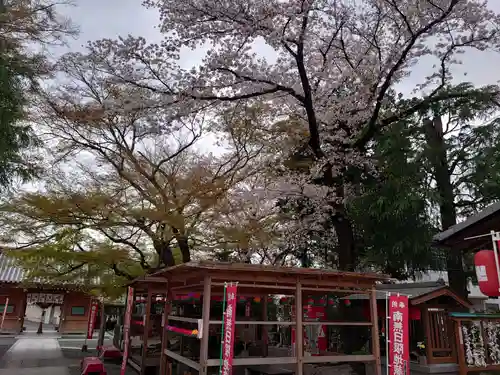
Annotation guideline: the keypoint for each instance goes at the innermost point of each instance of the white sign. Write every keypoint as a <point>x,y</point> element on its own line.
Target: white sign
<point>56,299</point>
<point>481,274</point>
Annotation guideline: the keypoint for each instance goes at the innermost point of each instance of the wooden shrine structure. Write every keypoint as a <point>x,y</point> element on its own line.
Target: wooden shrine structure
<point>207,279</point>
<point>146,324</point>
<point>430,326</point>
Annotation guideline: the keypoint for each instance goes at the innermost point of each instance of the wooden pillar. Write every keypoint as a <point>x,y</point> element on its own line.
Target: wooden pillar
<point>207,288</point>
<point>299,330</point>
<point>375,331</point>
<point>427,327</point>
<point>264,327</point>
<point>164,365</point>
<point>462,364</point>
<point>145,336</point>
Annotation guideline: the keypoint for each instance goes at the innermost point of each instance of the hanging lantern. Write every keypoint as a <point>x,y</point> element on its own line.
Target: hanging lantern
<point>283,300</point>
<point>331,301</point>
<point>347,302</point>
<point>322,301</point>
<point>256,299</point>
<point>270,299</point>
<point>310,301</point>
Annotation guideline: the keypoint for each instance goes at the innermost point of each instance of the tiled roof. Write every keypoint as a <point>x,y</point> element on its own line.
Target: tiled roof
<point>471,220</point>
<point>9,272</point>
<point>412,290</point>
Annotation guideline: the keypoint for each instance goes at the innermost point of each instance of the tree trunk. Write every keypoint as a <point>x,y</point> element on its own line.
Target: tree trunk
<point>439,162</point>
<point>164,252</point>
<point>182,241</point>
<point>347,246</point>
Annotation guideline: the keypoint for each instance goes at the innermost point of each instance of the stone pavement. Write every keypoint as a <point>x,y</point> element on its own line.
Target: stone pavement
<point>48,354</point>
<point>34,355</point>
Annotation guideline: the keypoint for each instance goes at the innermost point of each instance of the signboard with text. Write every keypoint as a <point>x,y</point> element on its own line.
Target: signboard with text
<point>94,305</point>
<point>399,343</point>
<point>126,329</point>
<point>49,298</point>
<point>228,339</point>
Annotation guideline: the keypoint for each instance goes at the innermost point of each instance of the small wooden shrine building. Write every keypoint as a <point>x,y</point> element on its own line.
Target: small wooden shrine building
<point>477,335</point>
<point>204,321</point>
<point>432,332</point>
<point>71,300</point>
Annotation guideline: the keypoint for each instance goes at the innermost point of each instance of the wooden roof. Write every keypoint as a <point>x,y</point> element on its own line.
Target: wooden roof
<point>445,291</point>
<point>143,283</point>
<point>256,279</point>
<point>418,293</point>
<point>481,223</point>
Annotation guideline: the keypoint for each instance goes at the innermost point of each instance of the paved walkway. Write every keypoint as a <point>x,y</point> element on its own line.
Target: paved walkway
<point>34,355</point>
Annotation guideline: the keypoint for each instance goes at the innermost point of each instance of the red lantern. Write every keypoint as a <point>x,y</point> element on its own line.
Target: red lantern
<point>322,301</point>
<point>283,300</point>
<point>347,302</point>
<point>310,301</point>
<point>486,272</point>
<point>331,301</point>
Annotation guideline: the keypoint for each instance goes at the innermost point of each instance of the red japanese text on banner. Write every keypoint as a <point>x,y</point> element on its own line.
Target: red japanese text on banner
<point>229,318</point>
<point>94,305</point>
<point>126,328</point>
<point>399,344</point>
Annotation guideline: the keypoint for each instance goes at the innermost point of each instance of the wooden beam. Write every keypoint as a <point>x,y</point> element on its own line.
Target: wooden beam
<point>182,319</point>
<point>375,331</point>
<point>338,290</point>
<point>340,358</point>
<point>261,286</point>
<point>188,362</point>
<point>279,281</point>
<point>190,286</point>
<point>252,361</point>
<point>207,288</point>
<point>352,324</point>
<point>299,330</point>
<point>239,322</point>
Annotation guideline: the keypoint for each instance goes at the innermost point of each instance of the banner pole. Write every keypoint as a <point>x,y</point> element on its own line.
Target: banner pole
<point>494,240</point>
<point>387,295</point>
<point>5,308</point>
<point>222,326</point>
<point>126,328</point>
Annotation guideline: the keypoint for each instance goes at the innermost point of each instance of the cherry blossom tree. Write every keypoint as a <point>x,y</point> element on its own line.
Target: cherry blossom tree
<point>128,183</point>
<point>331,66</point>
